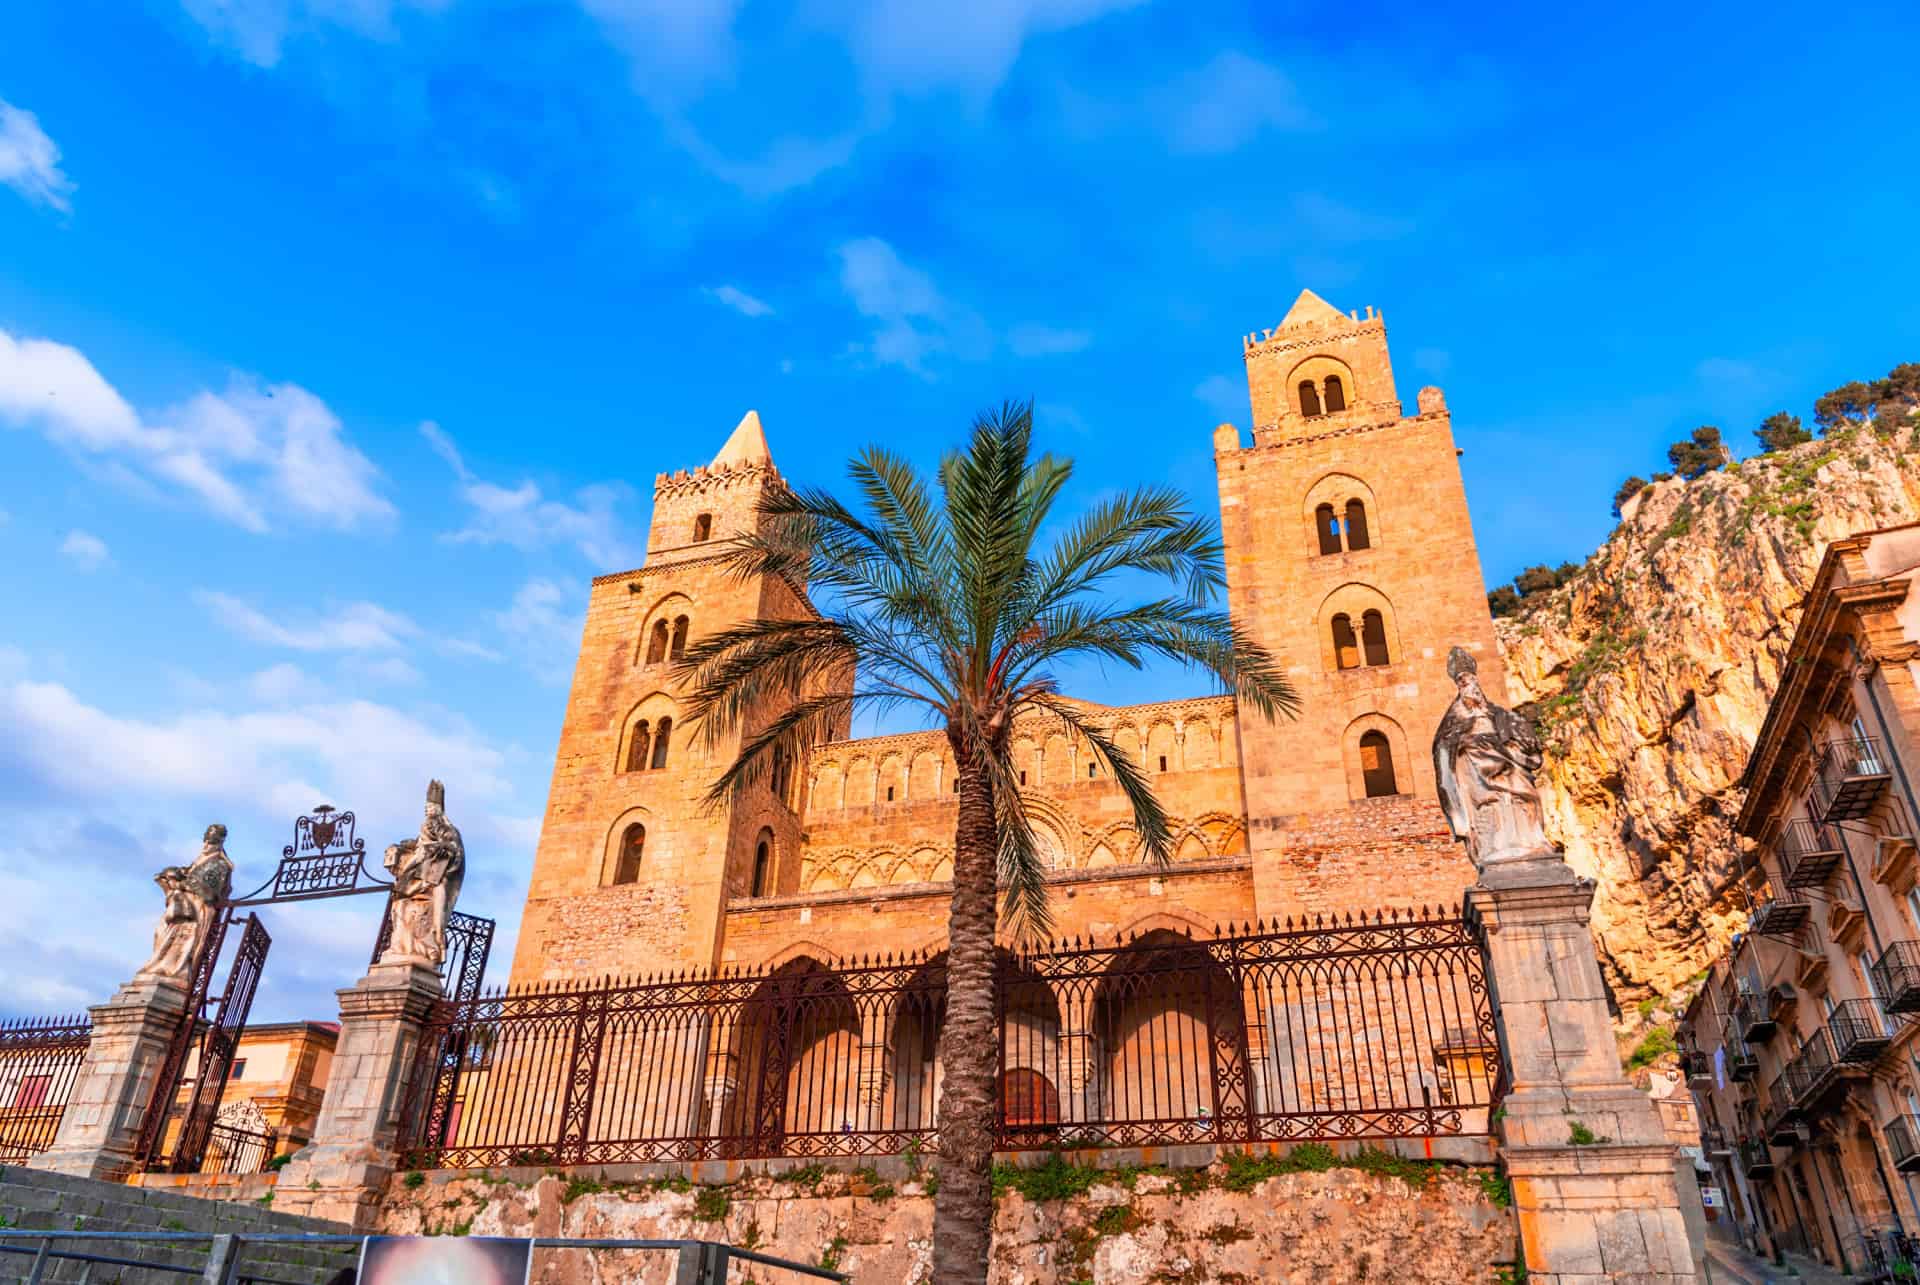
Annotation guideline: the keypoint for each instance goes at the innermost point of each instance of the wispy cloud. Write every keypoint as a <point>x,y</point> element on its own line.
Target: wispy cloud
<point>1031,339</point>
<point>912,319</point>
<point>352,626</point>
<point>543,625</point>
<point>258,30</point>
<point>739,300</point>
<point>1227,104</point>
<point>521,517</point>
<point>30,161</point>
<point>85,550</point>
<point>234,450</point>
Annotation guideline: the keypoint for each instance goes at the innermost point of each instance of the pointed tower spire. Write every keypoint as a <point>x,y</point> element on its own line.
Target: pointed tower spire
<point>748,445</point>
<point>1310,310</point>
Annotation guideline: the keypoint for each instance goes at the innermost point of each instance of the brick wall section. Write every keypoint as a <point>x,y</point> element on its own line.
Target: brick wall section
<point>1398,850</point>
<point>34,1200</point>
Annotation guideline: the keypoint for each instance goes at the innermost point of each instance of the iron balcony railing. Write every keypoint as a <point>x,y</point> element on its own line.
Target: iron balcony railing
<point>1813,1069</point>
<point>1756,1157</point>
<point>1699,1068</point>
<point>1754,1014</point>
<point>1859,1034</point>
<point>1896,977</point>
<point>1809,853</point>
<point>1783,1108</point>
<point>1850,778</point>
<point>1903,1142</point>
<point>1780,916</point>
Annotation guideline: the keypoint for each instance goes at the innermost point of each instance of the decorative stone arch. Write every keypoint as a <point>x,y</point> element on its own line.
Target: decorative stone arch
<point>1163,742</point>
<point>1333,494</point>
<point>1117,845</point>
<point>1198,746</point>
<point>861,781</point>
<point>649,709</point>
<point>1056,833</point>
<point>831,871</point>
<point>768,881</point>
<point>610,843</point>
<point>891,774</point>
<point>927,860</point>
<point>1174,919</point>
<point>1057,758</point>
<point>1351,602</point>
<point>1328,399</point>
<point>1353,760</point>
<point>923,776</point>
<point>827,792</point>
<point>668,608</point>
<point>1190,844</point>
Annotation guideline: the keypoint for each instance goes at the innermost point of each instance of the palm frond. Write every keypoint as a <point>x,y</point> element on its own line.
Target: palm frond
<point>1149,818</point>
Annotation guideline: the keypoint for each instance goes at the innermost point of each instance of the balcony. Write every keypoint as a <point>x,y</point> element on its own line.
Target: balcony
<point>1784,1115</point>
<point>1715,1143</point>
<point>1857,1032</point>
<point>1896,977</point>
<point>1699,1069</point>
<point>1809,853</point>
<point>1782,916</point>
<point>1850,778</point>
<point>1813,1072</point>
<point>1742,1066</point>
<point>1756,1157</point>
<point>1903,1142</point>
<point>1754,1016</point>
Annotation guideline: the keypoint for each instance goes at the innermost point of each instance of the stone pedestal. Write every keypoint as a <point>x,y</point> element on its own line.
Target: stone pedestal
<point>101,1124</point>
<point>1592,1170</point>
<point>341,1174</point>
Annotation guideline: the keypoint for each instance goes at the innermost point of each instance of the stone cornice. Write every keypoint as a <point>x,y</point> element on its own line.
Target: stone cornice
<point>1056,878</point>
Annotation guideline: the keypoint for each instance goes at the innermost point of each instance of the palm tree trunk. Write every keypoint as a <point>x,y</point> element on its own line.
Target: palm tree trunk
<point>970,1047</point>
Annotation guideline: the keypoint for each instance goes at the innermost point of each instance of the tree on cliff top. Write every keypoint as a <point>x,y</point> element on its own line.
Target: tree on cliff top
<point>1781,431</point>
<point>1699,453</point>
<point>941,596</point>
<point>1628,489</point>
<point>1888,401</point>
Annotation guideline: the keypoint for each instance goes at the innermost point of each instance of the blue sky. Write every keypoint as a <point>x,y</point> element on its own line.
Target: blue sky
<point>340,340</point>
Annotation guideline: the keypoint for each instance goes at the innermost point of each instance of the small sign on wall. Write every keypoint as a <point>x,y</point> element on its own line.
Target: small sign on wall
<point>1711,1198</point>
<point>445,1260</point>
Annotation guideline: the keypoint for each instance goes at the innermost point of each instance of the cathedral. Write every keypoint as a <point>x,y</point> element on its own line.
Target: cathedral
<point>1349,554</point>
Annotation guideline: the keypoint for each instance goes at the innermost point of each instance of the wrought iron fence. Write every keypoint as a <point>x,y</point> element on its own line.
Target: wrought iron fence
<point>39,1059</point>
<point>1367,1027</point>
<point>234,1150</point>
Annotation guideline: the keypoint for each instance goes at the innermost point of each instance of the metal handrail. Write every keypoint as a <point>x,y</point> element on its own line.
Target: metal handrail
<point>701,1262</point>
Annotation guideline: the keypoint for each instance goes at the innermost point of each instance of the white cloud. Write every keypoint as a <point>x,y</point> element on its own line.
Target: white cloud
<point>391,671</point>
<point>678,47</point>
<point>913,321</point>
<point>1329,220</point>
<point>234,451</point>
<point>1031,339</point>
<point>523,518</point>
<point>85,550</point>
<point>257,30</point>
<point>353,626</point>
<point>907,46</point>
<point>30,161</point>
<point>1227,104</point>
<point>543,624</point>
<point>740,301</point>
<point>1224,397</point>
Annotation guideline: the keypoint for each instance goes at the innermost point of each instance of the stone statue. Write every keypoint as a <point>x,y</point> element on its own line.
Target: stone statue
<point>1484,759</point>
<point>194,894</point>
<point>427,872</point>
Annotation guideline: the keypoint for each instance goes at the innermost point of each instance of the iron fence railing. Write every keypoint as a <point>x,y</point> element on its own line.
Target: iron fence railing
<point>1809,853</point>
<point>1850,777</point>
<point>1903,1142</point>
<point>1370,1027</point>
<point>1756,1157</point>
<point>1896,976</point>
<point>235,1150</point>
<point>1858,1031</point>
<point>40,1058</point>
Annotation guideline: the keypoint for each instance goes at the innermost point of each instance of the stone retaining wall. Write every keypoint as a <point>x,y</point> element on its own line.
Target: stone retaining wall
<point>35,1200</point>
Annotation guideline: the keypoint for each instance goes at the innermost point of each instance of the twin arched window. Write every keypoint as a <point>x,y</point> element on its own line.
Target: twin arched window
<point>1327,398</point>
<point>1376,765</point>
<point>669,642</point>
<point>1369,648</point>
<point>647,748</point>
<point>703,528</point>
<point>1331,528</point>
<point>633,844</point>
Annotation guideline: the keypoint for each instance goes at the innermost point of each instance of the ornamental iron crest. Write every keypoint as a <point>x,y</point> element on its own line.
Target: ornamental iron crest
<point>326,858</point>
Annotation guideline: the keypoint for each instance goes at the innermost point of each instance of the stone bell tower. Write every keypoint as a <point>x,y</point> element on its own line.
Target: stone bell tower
<point>1350,554</point>
<point>634,869</point>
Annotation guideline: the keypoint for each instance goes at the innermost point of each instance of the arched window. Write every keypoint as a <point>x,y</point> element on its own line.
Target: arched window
<point>638,748</point>
<point>660,733</point>
<point>1373,637</point>
<point>657,644</point>
<point>1357,537</point>
<point>1309,399</point>
<point>1376,765</point>
<point>1346,651</point>
<point>1329,528</point>
<point>679,638</point>
<point>632,846</point>
<point>1336,395</point>
<point>763,864</point>
<point>702,528</point>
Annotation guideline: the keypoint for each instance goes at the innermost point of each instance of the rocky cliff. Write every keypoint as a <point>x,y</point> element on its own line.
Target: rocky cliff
<point>1650,672</point>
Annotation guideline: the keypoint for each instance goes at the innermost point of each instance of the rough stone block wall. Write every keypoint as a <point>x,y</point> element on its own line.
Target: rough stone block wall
<point>33,1200</point>
<point>1331,1227</point>
<point>1391,853</point>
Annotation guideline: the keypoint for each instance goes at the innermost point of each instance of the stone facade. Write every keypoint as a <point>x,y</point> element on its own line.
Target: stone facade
<point>1349,552</point>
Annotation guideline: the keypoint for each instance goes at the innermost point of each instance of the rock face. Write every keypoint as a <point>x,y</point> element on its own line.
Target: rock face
<point>1650,674</point>
<point>1332,1227</point>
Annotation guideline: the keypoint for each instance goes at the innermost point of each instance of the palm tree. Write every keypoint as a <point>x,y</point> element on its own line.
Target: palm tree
<point>941,597</point>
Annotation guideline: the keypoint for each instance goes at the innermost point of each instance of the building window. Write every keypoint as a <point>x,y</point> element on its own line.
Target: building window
<point>633,846</point>
<point>1091,770</point>
<point>32,1092</point>
<point>239,1069</point>
<point>1309,399</point>
<point>763,864</point>
<point>777,775</point>
<point>1163,762</point>
<point>657,644</point>
<point>1023,779</point>
<point>639,747</point>
<point>1336,395</point>
<point>660,734</point>
<point>1328,528</point>
<point>889,794</point>
<point>1028,1098</point>
<point>703,528</point>
<point>1376,765</point>
<point>679,638</point>
<point>1357,526</point>
<point>1346,651</point>
<point>1373,637</point>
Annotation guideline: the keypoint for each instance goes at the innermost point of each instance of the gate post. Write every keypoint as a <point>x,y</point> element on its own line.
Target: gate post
<point>342,1174</point>
<point>1606,1208</point>
<point>99,1135</point>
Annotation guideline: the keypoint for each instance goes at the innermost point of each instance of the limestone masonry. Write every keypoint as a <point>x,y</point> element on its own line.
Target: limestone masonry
<point>1349,553</point>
